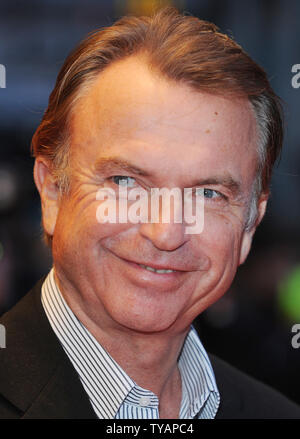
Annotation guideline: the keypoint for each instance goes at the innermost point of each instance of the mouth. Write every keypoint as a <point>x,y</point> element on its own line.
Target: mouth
<point>148,274</point>
<point>156,270</point>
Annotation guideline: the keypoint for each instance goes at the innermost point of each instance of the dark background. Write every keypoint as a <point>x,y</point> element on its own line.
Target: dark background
<point>251,325</point>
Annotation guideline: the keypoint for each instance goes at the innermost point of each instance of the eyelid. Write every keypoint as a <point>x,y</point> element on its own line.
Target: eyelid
<point>221,194</point>
<point>137,181</point>
<point>122,177</point>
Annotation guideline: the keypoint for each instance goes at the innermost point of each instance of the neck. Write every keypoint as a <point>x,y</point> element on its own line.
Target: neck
<point>150,359</point>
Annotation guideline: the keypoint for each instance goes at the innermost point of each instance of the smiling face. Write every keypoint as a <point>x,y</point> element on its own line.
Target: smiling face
<point>154,133</point>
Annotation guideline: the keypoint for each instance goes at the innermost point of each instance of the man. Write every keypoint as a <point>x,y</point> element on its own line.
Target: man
<point>161,102</point>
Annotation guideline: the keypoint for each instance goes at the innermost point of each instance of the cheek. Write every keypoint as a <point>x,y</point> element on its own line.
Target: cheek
<point>221,238</point>
<point>78,231</point>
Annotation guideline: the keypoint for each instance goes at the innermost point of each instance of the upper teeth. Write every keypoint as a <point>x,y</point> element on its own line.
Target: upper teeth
<point>155,270</point>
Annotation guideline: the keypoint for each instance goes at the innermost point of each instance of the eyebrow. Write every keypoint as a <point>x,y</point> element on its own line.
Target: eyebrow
<point>111,164</point>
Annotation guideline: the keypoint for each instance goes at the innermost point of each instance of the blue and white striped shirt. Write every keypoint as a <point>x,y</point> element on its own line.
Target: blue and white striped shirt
<point>112,393</point>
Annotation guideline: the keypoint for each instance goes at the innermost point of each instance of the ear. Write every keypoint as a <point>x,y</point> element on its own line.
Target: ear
<point>248,234</point>
<point>49,193</point>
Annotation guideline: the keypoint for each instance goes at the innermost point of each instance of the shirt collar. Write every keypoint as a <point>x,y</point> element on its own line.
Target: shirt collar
<point>198,381</point>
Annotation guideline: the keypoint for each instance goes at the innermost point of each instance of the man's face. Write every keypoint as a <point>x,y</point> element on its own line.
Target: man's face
<point>169,136</point>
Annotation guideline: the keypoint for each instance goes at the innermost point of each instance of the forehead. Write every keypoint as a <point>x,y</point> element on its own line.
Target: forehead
<point>132,111</point>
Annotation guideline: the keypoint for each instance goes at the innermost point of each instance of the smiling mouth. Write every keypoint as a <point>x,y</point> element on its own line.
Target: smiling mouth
<point>159,271</point>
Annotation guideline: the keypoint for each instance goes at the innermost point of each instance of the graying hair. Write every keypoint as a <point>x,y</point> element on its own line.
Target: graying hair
<point>261,108</point>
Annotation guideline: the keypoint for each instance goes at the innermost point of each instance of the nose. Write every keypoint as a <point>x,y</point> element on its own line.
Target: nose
<point>165,227</point>
<point>168,237</point>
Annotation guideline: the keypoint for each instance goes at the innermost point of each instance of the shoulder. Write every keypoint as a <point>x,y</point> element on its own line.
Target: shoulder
<point>30,356</point>
<point>37,380</point>
<point>243,397</point>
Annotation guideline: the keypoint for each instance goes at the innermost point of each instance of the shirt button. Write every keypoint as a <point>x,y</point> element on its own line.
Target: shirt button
<point>144,401</point>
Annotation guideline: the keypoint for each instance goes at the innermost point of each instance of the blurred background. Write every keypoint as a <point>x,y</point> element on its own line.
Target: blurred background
<point>251,326</point>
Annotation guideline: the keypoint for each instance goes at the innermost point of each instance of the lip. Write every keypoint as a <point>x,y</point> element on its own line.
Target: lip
<point>145,278</point>
<point>156,266</point>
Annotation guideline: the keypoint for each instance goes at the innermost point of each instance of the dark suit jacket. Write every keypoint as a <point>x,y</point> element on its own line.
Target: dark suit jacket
<point>37,380</point>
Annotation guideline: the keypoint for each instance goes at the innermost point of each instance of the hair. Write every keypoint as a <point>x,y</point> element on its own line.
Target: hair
<point>181,48</point>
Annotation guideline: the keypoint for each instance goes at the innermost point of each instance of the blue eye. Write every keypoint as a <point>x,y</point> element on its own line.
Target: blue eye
<point>208,193</point>
<point>123,180</point>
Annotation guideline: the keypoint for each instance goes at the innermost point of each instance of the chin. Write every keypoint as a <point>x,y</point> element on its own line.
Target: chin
<point>146,325</point>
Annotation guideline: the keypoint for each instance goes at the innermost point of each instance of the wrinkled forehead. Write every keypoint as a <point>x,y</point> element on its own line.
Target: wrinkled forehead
<point>123,89</point>
<point>130,107</point>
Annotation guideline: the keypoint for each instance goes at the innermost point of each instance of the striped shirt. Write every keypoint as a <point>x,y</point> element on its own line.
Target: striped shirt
<point>112,393</point>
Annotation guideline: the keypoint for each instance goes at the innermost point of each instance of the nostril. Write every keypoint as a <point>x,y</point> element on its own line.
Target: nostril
<point>167,237</point>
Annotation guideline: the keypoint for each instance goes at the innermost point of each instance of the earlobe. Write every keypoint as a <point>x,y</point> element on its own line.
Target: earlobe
<point>261,209</point>
<point>246,245</point>
<point>49,193</point>
<point>248,235</point>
